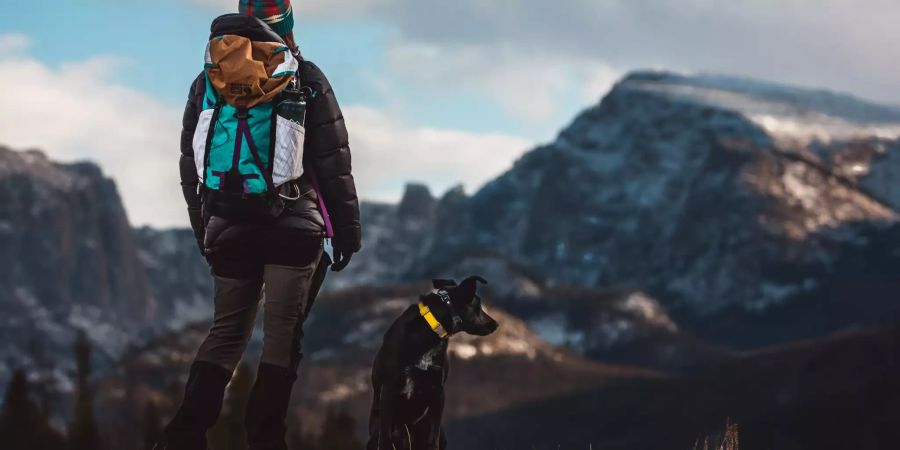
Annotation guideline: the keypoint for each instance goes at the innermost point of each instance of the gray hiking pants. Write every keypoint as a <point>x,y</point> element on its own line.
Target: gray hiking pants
<point>285,272</point>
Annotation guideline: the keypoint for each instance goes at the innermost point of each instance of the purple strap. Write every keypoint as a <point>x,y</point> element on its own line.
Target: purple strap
<point>244,130</point>
<point>329,230</point>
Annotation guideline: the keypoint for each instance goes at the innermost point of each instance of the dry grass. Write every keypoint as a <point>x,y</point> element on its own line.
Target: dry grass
<point>729,440</point>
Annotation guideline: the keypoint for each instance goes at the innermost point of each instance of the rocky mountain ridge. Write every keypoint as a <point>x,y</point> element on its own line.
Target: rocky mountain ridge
<point>678,216</point>
<point>72,261</point>
<point>718,197</point>
<point>75,264</point>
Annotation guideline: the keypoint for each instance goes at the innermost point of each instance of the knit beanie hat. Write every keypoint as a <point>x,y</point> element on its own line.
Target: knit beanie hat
<point>277,13</point>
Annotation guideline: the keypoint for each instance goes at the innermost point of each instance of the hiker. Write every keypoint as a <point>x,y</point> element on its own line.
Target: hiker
<point>265,169</point>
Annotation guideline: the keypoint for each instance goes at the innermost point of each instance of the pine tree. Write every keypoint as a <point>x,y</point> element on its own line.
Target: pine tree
<point>229,432</point>
<point>23,426</point>
<point>83,431</point>
<point>43,365</point>
<point>339,432</point>
<point>152,426</point>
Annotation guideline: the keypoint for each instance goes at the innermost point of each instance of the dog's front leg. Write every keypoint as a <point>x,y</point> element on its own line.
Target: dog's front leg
<point>386,415</point>
<point>374,418</point>
<point>386,378</point>
<point>442,441</point>
<point>427,433</point>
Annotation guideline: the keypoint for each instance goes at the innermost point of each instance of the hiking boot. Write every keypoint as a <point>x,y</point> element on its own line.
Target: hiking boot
<point>200,408</point>
<point>268,407</point>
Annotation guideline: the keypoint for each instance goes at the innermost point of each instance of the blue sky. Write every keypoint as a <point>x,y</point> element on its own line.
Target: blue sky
<point>434,91</point>
<point>163,42</point>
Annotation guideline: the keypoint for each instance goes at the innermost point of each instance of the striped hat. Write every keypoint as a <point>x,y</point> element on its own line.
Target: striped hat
<point>277,13</point>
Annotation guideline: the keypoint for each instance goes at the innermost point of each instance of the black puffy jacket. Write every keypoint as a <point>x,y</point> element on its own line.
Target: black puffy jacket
<point>326,153</point>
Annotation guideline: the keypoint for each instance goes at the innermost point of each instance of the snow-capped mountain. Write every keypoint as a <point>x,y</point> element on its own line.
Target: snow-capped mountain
<point>73,263</point>
<point>70,262</point>
<point>714,195</point>
<point>734,210</point>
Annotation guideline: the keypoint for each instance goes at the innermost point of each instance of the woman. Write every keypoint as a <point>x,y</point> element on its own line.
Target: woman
<point>282,257</point>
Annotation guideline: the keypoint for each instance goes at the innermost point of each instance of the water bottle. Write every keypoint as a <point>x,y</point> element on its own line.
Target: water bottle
<point>292,105</point>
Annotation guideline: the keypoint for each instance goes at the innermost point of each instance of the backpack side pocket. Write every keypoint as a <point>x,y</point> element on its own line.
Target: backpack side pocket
<point>201,136</point>
<point>288,158</point>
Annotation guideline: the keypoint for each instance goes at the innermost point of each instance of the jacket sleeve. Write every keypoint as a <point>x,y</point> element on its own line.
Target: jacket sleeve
<point>189,179</point>
<point>327,154</point>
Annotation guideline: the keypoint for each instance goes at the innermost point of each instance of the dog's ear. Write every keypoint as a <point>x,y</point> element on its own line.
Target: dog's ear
<point>478,279</point>
<point>468,287</point>
<point>442,283</point>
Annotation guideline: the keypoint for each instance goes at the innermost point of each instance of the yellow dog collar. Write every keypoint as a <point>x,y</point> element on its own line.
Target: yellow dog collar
<point>432,321</point>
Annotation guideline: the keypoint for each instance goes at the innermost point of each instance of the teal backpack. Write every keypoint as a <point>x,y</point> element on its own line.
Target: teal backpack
<point>248,144</point>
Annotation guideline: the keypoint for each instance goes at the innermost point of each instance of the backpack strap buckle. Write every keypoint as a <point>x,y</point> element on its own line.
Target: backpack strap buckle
<point>291,187</point>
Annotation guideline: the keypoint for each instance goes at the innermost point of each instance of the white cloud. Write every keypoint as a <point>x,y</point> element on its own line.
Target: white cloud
<point>387,153</point>
<point>13,43</point>
<point>596,79</point>
<point>528,83</point>
<point>837,44</point>
<point>78,111</point>
<point>528,86</point>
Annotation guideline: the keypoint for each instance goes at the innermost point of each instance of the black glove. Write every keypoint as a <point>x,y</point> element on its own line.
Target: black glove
<point>344,244</point>
<point>341,259</point>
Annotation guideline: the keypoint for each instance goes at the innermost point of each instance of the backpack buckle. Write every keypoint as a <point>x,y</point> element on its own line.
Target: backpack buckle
<point>292,187</point>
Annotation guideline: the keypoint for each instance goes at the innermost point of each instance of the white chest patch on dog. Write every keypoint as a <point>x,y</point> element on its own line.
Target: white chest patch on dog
<point>427,360</point>
<point>408,388</point>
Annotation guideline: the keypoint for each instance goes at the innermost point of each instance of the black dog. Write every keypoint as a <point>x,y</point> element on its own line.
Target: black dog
<point>411,366</point>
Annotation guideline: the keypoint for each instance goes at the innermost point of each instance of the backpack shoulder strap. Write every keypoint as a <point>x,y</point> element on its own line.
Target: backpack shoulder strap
<point>314,181</point>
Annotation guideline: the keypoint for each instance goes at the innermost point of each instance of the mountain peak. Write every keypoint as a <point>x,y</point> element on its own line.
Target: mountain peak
<point>673,183</point>
<point>417,202</point>
<point>790,113</point>
<point>35,164</point>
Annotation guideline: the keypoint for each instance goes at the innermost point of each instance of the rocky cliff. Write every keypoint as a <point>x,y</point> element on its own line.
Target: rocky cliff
<point>736,211</point>
<point>74,263</point>
<point>724,199</point>
<point>71,261</point>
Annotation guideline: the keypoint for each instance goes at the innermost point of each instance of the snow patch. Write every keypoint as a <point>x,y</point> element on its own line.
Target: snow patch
<point>464,351</point>
<point>782,118</point>
<point>350,386</point>
<point>649,309</point>
<point>821,128</point>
